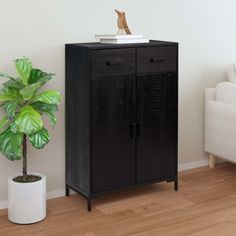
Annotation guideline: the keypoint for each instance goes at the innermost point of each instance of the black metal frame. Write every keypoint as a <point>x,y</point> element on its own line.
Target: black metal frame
<point>96,195</point>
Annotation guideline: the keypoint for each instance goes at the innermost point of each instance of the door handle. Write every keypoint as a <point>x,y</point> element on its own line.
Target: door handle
<point>138,128</point>
<point>157,60</point>
<point>132,128</point>
<point>113,63</point>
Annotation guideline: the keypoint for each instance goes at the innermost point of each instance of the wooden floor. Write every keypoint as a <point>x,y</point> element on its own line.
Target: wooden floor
<point>204,206</point>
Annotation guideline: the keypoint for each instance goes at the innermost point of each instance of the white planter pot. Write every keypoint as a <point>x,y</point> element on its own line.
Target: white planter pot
<point>27,201</point>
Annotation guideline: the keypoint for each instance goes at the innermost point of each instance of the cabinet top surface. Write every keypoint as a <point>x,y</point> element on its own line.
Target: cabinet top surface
<point>97,45</point>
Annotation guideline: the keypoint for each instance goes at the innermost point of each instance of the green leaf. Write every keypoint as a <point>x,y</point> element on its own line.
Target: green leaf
<point>47,109</point>
<point>40,138</point>
<point>52,118</point>
<point>13,84</point>
<point>37,75</point>
<point>8,93</point>
<point>49,97</point>
<point>14,128</point>
<point>4,98</point>
<point>28,92</point>
<point>10,108</point>
<point>28,120</point>
<point>23,68</point>
<point>45,79</point>
<point>7,76</point>
<point>10,144</point>
<point>3,122</point>
<point>7,90</point>
<point>44,107</point>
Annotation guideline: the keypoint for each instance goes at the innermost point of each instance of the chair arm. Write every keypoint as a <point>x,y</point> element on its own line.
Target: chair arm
<point>220,130</point>
<point>210,95</point>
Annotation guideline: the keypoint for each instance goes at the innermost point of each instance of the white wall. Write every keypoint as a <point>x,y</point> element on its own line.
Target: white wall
<point>39,29</point>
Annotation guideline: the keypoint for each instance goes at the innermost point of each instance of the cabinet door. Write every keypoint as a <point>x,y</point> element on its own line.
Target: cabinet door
<point>113,162</point>
<point>157,130</point>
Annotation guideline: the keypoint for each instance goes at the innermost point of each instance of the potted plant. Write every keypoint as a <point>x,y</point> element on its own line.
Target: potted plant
<point>25,104</point>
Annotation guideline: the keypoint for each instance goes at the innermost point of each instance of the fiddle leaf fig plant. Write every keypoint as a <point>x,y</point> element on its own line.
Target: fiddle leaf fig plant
<point>25,103</point>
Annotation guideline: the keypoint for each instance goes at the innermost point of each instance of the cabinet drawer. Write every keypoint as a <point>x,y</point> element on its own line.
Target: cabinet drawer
<point>156,59</point>
<point>113,62</point>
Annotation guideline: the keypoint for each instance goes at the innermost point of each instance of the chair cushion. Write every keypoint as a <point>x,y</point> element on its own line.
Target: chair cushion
<point>226,93</point>
<point>231,72</point>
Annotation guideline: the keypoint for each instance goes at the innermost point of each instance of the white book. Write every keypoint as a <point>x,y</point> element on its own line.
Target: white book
<point>119,36</point>
<point>123,41</point>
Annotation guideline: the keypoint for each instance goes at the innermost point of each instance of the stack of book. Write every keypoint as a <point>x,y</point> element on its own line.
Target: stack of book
<point>121,39</point>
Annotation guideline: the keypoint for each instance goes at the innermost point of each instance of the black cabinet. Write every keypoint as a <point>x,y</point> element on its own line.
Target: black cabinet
<point>121,116</point>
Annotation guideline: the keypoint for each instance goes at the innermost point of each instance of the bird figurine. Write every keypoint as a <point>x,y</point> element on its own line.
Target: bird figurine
<point>122,23</point>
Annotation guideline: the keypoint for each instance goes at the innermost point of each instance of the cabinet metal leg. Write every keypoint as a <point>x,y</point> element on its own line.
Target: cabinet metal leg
<point>176,185</point>
<point>67,191</point>
<point>89,204</point>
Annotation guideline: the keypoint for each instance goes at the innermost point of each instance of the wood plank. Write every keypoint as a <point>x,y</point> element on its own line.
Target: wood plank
<point>204,205</point>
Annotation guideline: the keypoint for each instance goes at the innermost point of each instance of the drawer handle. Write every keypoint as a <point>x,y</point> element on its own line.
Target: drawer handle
<point>109,63</point>
<point>157,59</point>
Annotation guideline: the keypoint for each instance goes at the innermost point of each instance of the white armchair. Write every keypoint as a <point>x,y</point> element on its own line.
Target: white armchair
<point>220,122</point>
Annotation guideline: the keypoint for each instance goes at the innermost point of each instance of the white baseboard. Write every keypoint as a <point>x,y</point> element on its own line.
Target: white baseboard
<point>61,192</point>
<point>196,164</point>
<point>192,165</point>
<point>55,194</point>
<point>3,205</point>
<point>50,195</point>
